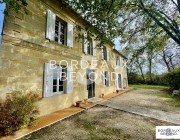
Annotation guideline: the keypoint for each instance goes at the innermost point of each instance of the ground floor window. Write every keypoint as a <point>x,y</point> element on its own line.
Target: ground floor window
<point>59,79</point>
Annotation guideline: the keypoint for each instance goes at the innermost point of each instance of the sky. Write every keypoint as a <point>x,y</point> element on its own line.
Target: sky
<point>2,6</point>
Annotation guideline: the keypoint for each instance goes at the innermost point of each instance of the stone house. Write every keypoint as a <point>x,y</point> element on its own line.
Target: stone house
<point>40,51</point>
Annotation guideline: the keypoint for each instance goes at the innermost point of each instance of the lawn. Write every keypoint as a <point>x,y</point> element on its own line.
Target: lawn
<point>147,86</point>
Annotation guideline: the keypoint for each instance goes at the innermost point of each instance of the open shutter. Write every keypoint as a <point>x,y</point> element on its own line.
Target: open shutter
<point>107,55</point>
<point>85,43</point>
<point>94,47</point>
<point>70,35</point>
<point>48,81</point>
<point>103,78</point>
<point>50,29</point>
<point>109,78</point>
<point>59,72</point>
<point>117,82</point>
<point>102,53</point>
<point>69,80</point>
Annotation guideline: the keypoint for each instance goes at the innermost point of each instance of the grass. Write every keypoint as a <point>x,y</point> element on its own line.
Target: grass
<point>147,86</point>
<point>169,99</point>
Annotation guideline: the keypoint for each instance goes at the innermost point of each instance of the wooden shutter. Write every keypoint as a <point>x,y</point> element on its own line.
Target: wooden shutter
<point>117,83</point>
<point>48,81</point>
<point>94,47</point>
<point>103,78</point>
<point>109,78</point>
<point>85,43</point>
<point>59,71</point>
<point>69,87</point>
<point>70,35</point>
<point>102,53</point>
<point>50,29</point>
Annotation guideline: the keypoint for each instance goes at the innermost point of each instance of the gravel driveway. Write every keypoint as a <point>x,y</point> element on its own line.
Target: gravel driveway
<point>146,102</point>
<point>107,123</point>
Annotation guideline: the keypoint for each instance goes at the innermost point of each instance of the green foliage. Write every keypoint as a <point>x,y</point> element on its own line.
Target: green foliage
<point>172,79</point>
<point>17,112</point>
<point>134,78</point>
<point>14,5</point>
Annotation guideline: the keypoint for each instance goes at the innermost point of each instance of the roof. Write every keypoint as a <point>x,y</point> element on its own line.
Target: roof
<point>119,53</point>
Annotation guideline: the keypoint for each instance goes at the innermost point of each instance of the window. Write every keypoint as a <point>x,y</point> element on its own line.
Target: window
<point>89,47</point>
<point>60,31</point>
<point>105,54</point>
<point>59,79</point>
<point>117,61</point>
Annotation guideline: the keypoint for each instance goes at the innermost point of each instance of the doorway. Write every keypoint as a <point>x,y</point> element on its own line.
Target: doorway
<point>90,83</point>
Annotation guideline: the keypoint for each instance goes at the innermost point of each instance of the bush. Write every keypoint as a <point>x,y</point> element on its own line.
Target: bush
<point>172,79</point>
<point>17,111</point>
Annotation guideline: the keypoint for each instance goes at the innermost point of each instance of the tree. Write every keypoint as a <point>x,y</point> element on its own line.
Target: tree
<point>14,5</point>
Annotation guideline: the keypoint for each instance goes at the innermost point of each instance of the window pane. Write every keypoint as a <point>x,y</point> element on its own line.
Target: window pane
<point>54,88</point>
<point>60,88</point>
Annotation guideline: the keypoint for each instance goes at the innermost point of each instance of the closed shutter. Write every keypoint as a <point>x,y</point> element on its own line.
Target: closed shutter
<point>50,29</point>
<point>48,81</point>
<point>103,79</point>
<point>69,85</point>
<point>102,53</point>
<point>70,35</point>
<point>85,43</point>
<point>94,47</point>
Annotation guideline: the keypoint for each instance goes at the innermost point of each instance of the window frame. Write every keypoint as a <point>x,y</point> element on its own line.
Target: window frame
<point>60,23</point>
<point>58,80</point>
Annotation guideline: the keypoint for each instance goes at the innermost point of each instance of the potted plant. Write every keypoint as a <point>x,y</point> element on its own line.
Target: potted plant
<point>78,103</point>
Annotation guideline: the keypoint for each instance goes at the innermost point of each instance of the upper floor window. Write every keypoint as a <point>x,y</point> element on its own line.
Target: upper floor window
<point>117,60</point>
<point>59,30</point>
<point>104,53</point>
<point>89,45</point>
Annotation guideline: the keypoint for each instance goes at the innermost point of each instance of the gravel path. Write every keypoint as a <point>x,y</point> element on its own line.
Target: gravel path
<point>109,123</point>
<point>145,102</point>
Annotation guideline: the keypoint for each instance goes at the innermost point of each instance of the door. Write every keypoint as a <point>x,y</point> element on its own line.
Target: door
<point>90,83</point>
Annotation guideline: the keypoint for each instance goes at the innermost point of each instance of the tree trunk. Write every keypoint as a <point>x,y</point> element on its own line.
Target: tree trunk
<point>165,61</point>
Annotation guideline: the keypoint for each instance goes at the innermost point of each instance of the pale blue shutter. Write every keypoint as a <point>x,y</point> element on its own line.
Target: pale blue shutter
<point>94,47</point>
<point>102,53</point>
<point>85,43</point>
<point>50,29</point>
<point>70,35</point>
<point>109,78</point>
<point>69,80</point>
<point>117,83</point>
<point>103,79</point>
<point>48,81</point>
